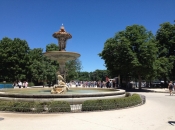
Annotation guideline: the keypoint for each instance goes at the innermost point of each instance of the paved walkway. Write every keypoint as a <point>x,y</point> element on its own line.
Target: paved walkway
<point>157,114</point>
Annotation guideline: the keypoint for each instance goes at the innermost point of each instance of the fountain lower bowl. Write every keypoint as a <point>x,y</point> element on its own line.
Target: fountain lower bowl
<point>76,97</point>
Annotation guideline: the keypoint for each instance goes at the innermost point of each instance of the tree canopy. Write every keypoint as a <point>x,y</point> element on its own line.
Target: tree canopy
<point>19,62</point>
<point>131,52</point>
<point>14,57</point>
<point>165,37</point>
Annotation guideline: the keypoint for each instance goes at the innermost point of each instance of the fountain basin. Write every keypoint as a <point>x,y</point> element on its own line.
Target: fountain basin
<point>62,55</point>
<point>76,96</point>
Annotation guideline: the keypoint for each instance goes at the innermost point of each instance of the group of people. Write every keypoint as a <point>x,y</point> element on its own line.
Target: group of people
<point>20,84</point>
<point>171,87</point>
<point>99,84</point>
<point>108,83</point>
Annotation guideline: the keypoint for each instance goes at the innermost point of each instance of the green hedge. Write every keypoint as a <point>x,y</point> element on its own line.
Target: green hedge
<point>58,107</point>
<point>35,106</point>
<point>107,104</point>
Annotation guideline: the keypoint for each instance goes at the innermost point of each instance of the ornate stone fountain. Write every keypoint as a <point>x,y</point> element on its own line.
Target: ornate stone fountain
<point>62,56</point>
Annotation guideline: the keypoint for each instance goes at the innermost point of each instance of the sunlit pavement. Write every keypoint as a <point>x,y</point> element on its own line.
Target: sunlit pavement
<point>157,114</point>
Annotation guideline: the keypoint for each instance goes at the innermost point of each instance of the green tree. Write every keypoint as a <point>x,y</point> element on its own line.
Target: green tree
<point>83,76</point>
<point>100,75</point>
<point>36,66</point>
<point>41,68</point>
<point>14,58</point>
<point>131,52</point>
<point>73,68</point>
<point>165,37</point>
<point>52,47</point>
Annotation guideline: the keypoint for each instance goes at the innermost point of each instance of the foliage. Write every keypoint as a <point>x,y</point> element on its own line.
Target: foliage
<point>58,106</point>
<point>19,62</point>
<point>97,75</point>
<point>165,37</point>
<point>131,52</point>
<point>6,105</point>
<point>107,104</point>
<point>84,76</point>
<point>72,69</point>
<point>34,106</point>
<point>36,65</point>
<point>41,68</point>
<point>52,47</point>
<point>14,57</point>
<point>22,106</point>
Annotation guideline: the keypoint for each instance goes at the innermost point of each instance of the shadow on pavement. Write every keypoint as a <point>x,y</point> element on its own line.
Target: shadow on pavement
<point>138,90</point>
<point>1,119</point>
<point>171,123</point>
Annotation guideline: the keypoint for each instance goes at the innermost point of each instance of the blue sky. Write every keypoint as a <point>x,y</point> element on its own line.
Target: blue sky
<point>91,22</point>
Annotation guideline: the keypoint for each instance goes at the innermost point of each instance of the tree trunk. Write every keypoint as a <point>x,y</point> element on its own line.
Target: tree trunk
<point>165,82</point>
<point>140,80</point>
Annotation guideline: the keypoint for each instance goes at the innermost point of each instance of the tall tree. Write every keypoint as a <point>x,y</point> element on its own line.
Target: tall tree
<point>36,66</point>
<point>41,68</point>
<point>165,37</point>
<point>13,55</point>
<point>131,52</point>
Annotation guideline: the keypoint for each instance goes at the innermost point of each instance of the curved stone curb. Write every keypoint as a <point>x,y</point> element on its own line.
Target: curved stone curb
<point>71,98</point>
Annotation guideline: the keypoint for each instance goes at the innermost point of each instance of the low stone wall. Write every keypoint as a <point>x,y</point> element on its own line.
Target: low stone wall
<point>70,98</point>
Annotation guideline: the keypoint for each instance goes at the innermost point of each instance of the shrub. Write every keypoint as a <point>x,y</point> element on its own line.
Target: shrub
<point>22,106</point>
<point>58,106</point>
<point>107,104</point>
<point>36,106</point>
<point>6,105</point>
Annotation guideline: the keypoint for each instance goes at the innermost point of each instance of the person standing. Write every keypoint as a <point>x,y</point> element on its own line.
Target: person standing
<point>15,84</point>
<point>107,82</point>
<point>19,84</point>
<point>23,84</point>
<point>170,87</point>
<point>26,84</point>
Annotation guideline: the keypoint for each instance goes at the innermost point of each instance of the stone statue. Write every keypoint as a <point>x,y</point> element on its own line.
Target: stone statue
<point>60,77</point>
<point>61,87</point>
<point>62,44</point>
